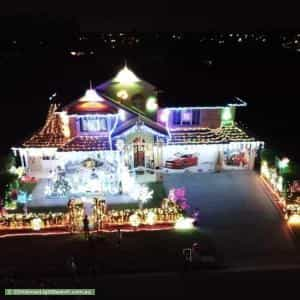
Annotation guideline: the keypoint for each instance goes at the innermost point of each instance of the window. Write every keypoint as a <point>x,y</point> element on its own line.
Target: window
<point>93,124</point>
<point>196,117</point>
<point>186,116</point>
<point>176,117</point>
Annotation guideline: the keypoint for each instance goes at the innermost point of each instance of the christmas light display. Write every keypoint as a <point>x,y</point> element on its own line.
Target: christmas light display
<point>294,220</point>
<point>135,220</point>
<point>272,176</point>
<point>123,110</point>
<point>36,224</point>
<point>122,94</point>
<point>151,218</point>
<point>122,114</point>
<point>283,163</point>
<point>91,96</point>
<point>20,171</point>
<point>99,217</point>
<point>151,104</point>
<point>178,195</point>
<point>226,115</point>
<point>126,76</point>
<point>140,192</point>
<point>164,115</point>
<point>184,223</point>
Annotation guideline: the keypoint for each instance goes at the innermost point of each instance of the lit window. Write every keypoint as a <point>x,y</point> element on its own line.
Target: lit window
<point>176,117</point>
<point>186,117</point>
<point>92,124</point>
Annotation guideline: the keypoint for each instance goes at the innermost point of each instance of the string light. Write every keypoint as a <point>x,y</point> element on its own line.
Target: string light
<point>36,224</point>
<point>151,104</point>
<point>184,223</point>
<point>122,94</point>
<point>126,76</point>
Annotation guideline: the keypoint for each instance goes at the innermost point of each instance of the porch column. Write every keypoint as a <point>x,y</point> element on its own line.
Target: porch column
<point>21,158</point>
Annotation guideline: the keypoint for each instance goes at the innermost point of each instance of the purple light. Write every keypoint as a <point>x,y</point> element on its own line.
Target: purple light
<point>164,115</point>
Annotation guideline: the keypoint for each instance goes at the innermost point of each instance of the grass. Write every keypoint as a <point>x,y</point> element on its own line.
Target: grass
<point>139,252</point>
<point>159,193</point>
<point>40,209</point>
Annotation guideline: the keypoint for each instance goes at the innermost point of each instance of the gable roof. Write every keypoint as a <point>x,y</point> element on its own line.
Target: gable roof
<point>140,120</point>
<point>91,103</point>
<point>51,134</point>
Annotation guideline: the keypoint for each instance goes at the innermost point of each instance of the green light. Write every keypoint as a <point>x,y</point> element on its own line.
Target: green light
<point>226,114</point>
<point>151,104</point>
<point>282,164</point>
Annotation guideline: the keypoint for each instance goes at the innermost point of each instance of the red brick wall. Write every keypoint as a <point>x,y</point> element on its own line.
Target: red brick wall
<point>210,118</point>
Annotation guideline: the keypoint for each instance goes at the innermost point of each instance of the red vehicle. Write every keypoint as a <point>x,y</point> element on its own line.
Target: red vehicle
<point>187,160</point>
<point>237,159</point>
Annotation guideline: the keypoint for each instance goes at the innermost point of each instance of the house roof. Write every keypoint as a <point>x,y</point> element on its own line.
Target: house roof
<point>192,100</point>
<point>51,134</point>
<point>87,143</point>
<point>86,107</point>
<point>125,78</point>
<point>140,120</point>
<point>91,103</point>
<point>221,135</point>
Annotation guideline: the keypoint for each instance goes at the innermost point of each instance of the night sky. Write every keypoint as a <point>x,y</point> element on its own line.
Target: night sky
<point>267,79</point>
<point>163,15</point>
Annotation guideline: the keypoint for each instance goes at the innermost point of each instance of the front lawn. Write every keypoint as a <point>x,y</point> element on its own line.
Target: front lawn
<point>139,252</point>
<point>159,193</point>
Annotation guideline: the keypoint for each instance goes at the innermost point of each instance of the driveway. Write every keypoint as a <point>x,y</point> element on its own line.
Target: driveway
<point>237,212</point>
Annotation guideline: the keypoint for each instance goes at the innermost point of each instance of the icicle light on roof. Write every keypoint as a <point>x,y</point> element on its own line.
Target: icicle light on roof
<point>91,96</point>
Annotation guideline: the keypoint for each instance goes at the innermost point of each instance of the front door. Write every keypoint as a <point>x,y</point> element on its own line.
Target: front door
<point>139,152</point>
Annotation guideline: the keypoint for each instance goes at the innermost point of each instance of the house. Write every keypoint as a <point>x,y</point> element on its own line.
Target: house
<point>125,121</point>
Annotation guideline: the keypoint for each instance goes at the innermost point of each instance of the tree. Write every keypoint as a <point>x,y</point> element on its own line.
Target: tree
<point>6,162</point>
<point>7,179</point>
<point>269,156</point>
